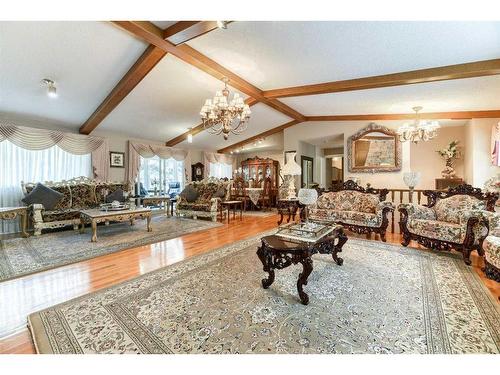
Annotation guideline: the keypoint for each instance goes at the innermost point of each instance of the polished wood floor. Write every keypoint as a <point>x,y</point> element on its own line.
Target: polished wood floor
<point>22,296</point>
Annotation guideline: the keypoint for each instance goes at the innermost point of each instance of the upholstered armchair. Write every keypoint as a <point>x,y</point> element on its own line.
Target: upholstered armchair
<point>491,246</point>
<point>450,220</point>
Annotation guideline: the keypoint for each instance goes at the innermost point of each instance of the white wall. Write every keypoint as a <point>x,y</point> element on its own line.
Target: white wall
<point>295,135</point>
<point>478,164</point>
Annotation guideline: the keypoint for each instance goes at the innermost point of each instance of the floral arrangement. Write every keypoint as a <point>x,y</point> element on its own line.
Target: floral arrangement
<point>450,153</point>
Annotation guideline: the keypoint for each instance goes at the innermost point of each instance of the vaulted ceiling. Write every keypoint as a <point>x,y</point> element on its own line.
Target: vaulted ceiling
<point>89,59</point>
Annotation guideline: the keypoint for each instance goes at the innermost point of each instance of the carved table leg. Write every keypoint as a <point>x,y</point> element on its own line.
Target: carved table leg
<point>94,231</point>
<point>132,221</point>
<point>82,225</point>
<point>281,218</point>
<point>148,221</point>
<point>342,239</point>
<point>265,259</point>
<point>307,265</point>
<point>466,254</point>
<point>24,220</point>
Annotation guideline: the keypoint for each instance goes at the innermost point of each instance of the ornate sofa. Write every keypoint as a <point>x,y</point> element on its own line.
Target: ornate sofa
<point>358,209</point>
<point>491,246</point>
<point>78,194</point>
<point>206,204</point>
<point>450,220</point>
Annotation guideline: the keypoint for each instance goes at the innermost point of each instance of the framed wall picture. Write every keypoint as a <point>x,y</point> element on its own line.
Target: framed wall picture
<point>116,159</point>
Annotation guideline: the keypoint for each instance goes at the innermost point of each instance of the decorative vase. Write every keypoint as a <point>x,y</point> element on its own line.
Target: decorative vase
<point>449,170</point>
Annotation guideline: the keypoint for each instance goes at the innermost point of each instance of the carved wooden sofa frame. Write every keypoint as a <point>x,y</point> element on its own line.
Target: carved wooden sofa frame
<point>362,229</point>
<point>470,242</point>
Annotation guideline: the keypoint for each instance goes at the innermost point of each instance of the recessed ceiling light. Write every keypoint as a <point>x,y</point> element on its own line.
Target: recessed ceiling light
<point>51,88</point>
<point>222,24</point>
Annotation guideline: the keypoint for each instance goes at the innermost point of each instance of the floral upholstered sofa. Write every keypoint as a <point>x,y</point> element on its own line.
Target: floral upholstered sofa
<point>450,220</point>
<point>78,194</point>
<point>355,208</point>
<point>491,246</point>
<point>206,202</point>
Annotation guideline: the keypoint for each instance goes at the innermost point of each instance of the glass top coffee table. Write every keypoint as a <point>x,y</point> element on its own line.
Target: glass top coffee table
<point>291,246</point>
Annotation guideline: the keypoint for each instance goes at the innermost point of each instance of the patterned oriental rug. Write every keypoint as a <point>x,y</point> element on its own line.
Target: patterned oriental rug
<point>23,256</point>
<point>384,299</point>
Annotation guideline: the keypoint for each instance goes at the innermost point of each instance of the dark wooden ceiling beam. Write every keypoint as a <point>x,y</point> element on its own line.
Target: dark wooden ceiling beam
<point>148,60</point>
<point>154,35</point>
<point>183,31</point>
<point>199,128</point>
<point>457,115</point>
<point>267,133</point>
<point>443,73</point>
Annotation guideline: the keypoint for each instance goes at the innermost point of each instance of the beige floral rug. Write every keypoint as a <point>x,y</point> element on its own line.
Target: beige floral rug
<point>383,299</point>
<point>23,256</point>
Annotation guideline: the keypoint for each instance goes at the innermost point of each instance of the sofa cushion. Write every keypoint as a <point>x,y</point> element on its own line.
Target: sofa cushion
<point>59,215</point>
<point>439,230</point>
<point>450,209</point>
<point>190,194</point>
<point>65,202</point>
<point>206,191</point>
<point>491,246</point>
<point>194,206</point>
<point>348,217</point>
<point>83,196</point>
<point>111,187</point>
<point>44,195</point>
<point>116,195</point>
<point>366,202</point>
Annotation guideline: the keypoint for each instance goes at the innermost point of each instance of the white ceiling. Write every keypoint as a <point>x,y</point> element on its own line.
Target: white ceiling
<point>165,103</point>
<point>278,54</point>
<point>85,59</point>
<point>262,119</point>
<point>480,93</point>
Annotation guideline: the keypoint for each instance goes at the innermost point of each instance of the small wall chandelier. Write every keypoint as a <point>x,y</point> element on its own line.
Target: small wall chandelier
<point>419,130</point>
<point>219,115</point>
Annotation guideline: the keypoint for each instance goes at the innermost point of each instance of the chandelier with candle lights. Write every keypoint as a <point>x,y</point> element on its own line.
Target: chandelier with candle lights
<point>418,130</point>
<point>222,115</point>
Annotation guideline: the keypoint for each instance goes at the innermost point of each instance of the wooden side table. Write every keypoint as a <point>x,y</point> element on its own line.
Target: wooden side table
<point>10,213</point>
<point>233,204</point>
<point>157,200</point>
<point>287,207</point>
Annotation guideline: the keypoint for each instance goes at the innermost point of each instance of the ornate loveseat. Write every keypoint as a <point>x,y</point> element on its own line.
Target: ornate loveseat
<point>78,194</point>
<point>355,208</point>
<point>491,246</point>
<point>450,220</point>
<point>210,193</point>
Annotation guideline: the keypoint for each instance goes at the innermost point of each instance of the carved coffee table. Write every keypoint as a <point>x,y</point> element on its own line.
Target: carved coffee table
<point>95,216</point>
<point>278,253</point>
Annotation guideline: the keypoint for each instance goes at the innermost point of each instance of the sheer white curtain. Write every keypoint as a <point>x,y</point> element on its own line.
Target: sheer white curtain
<point>160,172</point>
<point>221,170</point>
<point>18,164</point>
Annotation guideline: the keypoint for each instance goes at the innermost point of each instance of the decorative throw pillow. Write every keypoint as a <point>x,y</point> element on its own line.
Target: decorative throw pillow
<point>189,193</point>
<point>116,195</point>
<point>220,193</point>
<point>44,195</point>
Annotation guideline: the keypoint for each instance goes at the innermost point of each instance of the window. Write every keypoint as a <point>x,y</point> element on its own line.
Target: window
<point>221,170</point>
<point>158,174</point>
<point>18,164</point>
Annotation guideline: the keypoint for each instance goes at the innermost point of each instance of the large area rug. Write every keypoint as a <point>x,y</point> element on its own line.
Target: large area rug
<point>384,299</point>
<point>23,256</point>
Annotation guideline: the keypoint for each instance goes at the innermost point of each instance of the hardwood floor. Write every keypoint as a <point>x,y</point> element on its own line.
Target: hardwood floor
<point>22,296</point>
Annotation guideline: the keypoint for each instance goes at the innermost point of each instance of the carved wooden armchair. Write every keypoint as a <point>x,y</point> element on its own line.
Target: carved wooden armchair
<point>239,192</point>
<point>450,220</point>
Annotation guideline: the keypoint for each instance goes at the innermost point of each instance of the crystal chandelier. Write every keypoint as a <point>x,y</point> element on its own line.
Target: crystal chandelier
<point>419,130</point>
<point>219,115</point>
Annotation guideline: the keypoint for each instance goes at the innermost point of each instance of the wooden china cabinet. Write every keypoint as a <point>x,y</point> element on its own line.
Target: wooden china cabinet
<point>256,169</point>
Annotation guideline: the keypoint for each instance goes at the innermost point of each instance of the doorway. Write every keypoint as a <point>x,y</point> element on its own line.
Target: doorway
<point>307,164</point>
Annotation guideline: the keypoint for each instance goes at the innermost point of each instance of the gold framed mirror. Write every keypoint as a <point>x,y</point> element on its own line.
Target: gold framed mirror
<point>374,149</point>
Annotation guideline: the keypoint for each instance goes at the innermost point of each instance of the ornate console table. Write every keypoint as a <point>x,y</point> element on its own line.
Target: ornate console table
<point>10,213</point>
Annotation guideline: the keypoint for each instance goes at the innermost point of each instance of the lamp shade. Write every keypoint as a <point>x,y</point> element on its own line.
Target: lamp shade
<point>291,168</point>
<point>308,196</point>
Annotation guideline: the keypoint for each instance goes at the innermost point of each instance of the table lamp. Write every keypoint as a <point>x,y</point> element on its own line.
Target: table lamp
<point>307,197</point>
<point>292,169</point>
